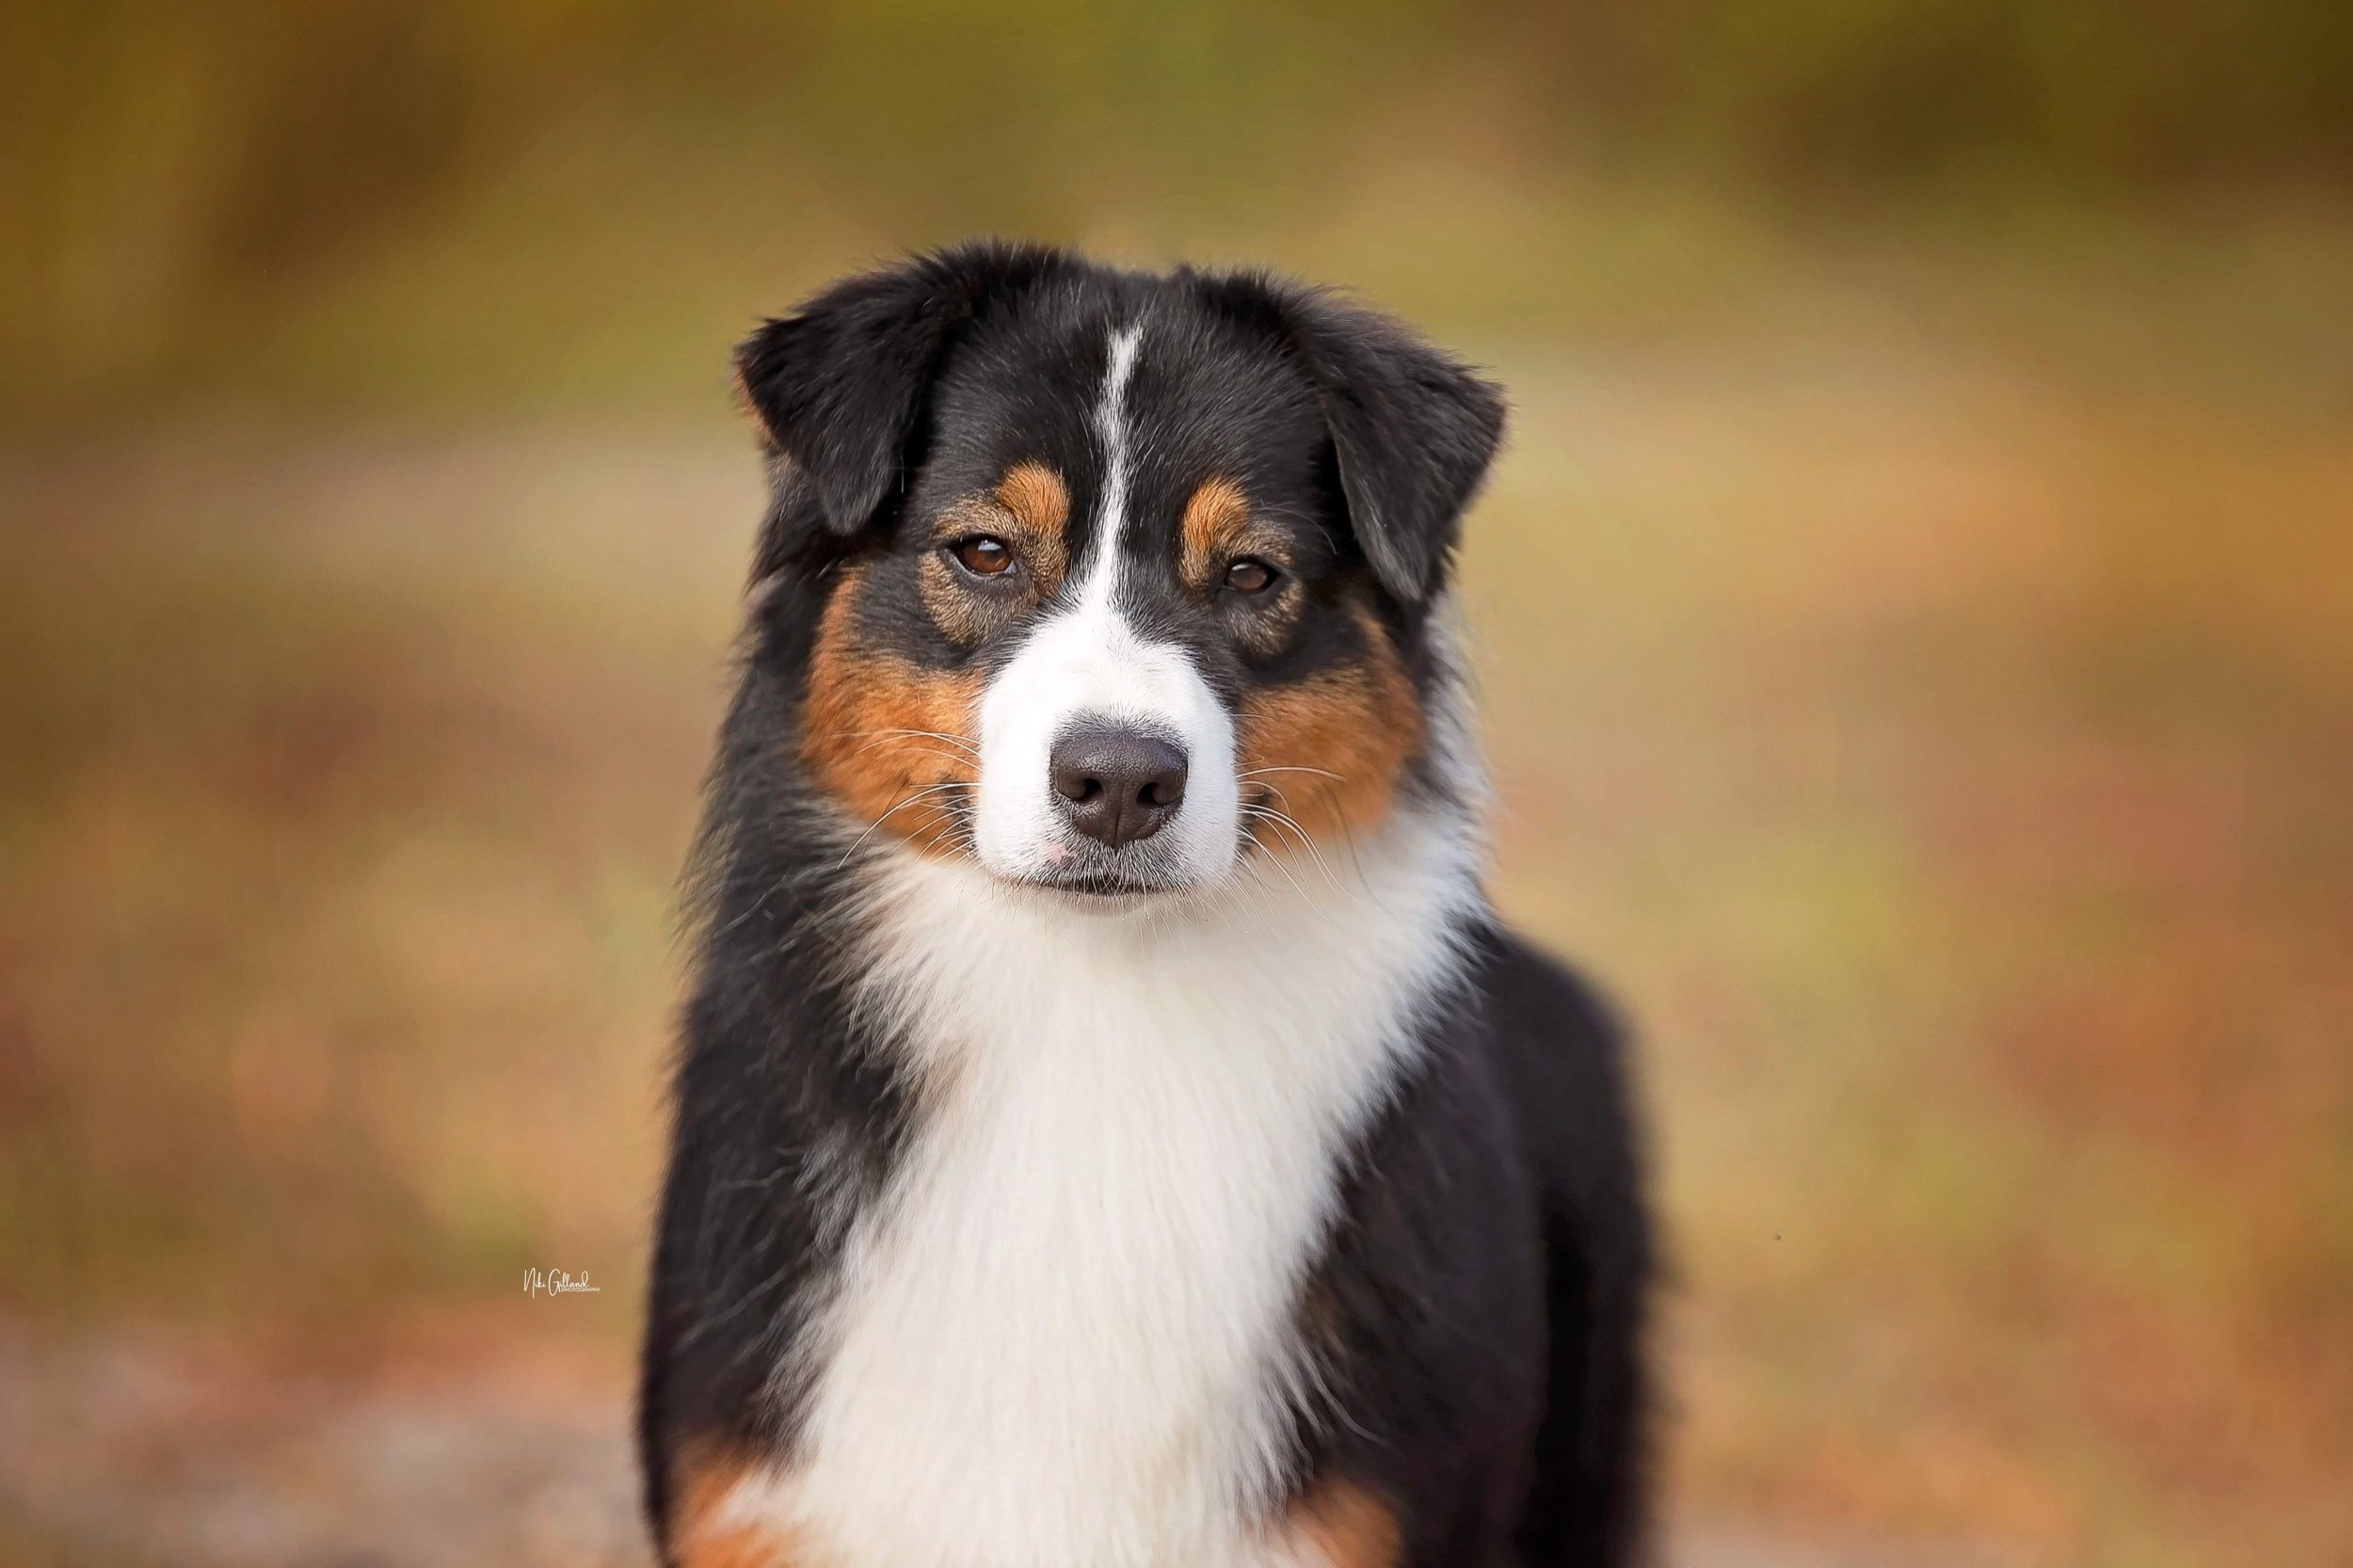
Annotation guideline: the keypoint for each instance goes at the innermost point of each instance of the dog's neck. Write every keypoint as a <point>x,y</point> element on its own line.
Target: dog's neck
<point>1344,941</point>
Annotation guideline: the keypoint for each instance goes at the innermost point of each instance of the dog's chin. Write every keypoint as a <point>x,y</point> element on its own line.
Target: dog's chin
<point>1101,886</point>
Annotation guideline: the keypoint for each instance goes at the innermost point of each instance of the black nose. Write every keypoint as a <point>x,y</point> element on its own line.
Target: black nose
<point>1117,785</point>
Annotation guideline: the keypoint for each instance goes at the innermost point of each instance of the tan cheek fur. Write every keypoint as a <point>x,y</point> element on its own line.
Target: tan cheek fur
<point>871,726</point>
<point>1332,745</point>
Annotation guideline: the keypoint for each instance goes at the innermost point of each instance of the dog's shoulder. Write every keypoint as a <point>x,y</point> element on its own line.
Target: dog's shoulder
<point>1563,1055</point>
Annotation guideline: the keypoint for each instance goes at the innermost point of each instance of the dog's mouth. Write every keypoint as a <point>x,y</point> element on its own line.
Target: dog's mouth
<point>1106,886</point>
<point>1133,874</point>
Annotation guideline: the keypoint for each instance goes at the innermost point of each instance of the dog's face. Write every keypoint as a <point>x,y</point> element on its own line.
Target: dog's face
<point>1113,577</point>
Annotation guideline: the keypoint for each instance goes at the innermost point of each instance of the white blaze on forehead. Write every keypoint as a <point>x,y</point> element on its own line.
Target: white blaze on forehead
<point>1084,663</point>
<point>1101,572</point>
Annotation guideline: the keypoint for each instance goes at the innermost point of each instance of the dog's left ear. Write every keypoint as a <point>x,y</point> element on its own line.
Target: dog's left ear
<point>1413,430</point>
<point>841,385</point>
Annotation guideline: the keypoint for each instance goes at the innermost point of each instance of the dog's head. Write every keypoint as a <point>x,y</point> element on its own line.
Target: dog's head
<point>1101,578</point>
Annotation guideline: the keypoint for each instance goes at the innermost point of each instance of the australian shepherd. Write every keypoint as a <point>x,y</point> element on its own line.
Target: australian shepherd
<point>1113,1129</point>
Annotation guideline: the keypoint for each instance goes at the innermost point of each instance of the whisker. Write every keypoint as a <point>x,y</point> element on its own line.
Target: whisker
<point>1253,773</point>
<point>860,843</point>
<point>1267,857</point>
<point>1276,861</point>
<point>1348,835</point>
<point>949,757</point>
<point>1307,842</point>
<point>1274,792</point>
<point>876,737</point>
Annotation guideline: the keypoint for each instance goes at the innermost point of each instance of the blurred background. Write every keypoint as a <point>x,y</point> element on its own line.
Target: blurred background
<point>1916,612</point>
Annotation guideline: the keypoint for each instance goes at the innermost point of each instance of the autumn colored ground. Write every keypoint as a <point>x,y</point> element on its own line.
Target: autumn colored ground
<point>1939,745</point>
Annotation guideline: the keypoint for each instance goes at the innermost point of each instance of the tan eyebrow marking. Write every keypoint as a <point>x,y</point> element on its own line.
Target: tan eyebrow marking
<point>1216,528</point>
<point>1215,522</point>
<point>1036,497</point>
<point>1031,508</point>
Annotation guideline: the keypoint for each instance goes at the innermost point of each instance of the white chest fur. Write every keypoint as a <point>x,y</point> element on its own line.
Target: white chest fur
<point>1063,1340</point>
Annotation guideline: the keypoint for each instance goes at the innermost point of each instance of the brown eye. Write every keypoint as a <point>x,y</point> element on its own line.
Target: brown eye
<point>984,555</point>
<point>1247,576</point>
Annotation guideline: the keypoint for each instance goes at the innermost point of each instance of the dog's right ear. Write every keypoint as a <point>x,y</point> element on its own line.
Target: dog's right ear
<point>839,386</point>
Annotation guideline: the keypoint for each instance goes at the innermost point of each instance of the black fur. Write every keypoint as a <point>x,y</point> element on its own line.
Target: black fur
<point>1477,1310</point>
<point>1411,431</point>
<point>839,385</point>
<point>1485,1284</point>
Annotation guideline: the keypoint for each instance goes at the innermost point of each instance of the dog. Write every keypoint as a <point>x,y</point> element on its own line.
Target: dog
<point>1111,1127</point>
